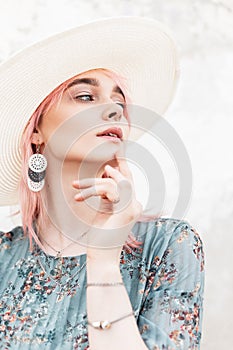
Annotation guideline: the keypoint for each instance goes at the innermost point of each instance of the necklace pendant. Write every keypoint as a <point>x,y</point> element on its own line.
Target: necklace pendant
<point>58,254</point>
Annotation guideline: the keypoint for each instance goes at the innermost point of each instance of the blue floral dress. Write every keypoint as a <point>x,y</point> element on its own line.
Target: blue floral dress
<point>164,279</point>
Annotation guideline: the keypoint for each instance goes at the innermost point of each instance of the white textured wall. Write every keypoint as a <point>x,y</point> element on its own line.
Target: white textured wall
<point>201,114</point>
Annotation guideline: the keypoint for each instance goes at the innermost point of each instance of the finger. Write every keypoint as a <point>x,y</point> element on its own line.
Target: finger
<point>86,193</point>
<point>102,190</point>
<point>114,173</point>
<point>124,185</point>
<point>85,183</point>
<point>122,163</point>
<point>105,174</point>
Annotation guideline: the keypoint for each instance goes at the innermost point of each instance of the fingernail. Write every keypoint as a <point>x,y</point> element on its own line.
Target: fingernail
<point>78,197</point>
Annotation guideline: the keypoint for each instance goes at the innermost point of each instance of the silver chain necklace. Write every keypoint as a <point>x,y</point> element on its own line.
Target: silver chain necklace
<point>58,280</point>
<point>61,286</point>
<point>59,252</point>
<point>58,268</point>
<point>58,256</point>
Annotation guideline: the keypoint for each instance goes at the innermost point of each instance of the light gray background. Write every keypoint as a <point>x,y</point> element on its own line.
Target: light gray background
<point>201,113</point>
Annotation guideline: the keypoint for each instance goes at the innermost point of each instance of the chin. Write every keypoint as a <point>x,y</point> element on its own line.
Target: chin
<point>94,152</point>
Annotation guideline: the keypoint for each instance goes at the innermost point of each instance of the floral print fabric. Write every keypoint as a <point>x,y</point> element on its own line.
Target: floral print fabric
<point>43,307</point>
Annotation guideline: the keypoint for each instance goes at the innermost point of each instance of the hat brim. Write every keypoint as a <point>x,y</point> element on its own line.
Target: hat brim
<point>140,49</point>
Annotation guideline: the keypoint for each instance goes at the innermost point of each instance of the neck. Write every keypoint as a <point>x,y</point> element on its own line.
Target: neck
<point>68,220</point>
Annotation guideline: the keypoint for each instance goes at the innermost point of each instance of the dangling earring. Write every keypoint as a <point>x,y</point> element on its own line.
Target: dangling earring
<point>37,165</point>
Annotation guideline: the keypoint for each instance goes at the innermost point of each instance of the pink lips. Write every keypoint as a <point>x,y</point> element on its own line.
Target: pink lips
<point>111,133</point>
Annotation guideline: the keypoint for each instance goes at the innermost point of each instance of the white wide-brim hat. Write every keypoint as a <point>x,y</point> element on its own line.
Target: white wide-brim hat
<point>140,49</point>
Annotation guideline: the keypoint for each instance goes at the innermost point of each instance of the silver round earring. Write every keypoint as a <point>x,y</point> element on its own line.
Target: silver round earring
<point>35,186</point>
<point>37,162</point>
<point>37,165</point>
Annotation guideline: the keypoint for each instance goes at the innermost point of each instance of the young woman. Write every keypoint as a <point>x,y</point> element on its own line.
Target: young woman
<point>85,271</point>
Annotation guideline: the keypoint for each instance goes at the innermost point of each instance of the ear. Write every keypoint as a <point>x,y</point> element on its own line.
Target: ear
<point>36,138</point>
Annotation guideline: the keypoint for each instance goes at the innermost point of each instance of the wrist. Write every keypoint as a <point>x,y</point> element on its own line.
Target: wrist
<point>103,272</point>
<point>108,256</point>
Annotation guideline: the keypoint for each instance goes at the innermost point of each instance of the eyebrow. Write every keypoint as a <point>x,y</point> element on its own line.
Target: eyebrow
<point>93,82</point>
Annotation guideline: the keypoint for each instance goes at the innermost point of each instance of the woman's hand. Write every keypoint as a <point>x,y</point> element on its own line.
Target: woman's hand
<point>118,210</point>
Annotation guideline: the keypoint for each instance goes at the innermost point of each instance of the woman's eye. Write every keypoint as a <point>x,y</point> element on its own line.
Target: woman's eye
<point>85,97</point>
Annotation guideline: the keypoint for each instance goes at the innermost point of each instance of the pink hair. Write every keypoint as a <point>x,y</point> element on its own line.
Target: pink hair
<point>32,208</point>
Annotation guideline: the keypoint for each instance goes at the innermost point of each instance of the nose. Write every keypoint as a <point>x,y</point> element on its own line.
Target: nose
<point>112,112</point>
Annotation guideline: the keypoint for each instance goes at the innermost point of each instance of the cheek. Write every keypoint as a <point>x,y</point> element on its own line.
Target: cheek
<point>58,121</point>
<point>68,139</point>
<point>48,125</point>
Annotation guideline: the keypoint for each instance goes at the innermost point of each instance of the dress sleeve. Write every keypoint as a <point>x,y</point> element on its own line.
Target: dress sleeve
<point>171,314</point>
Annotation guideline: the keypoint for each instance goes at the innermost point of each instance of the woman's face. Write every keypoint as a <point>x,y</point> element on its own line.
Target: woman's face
<point>89,119</point>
